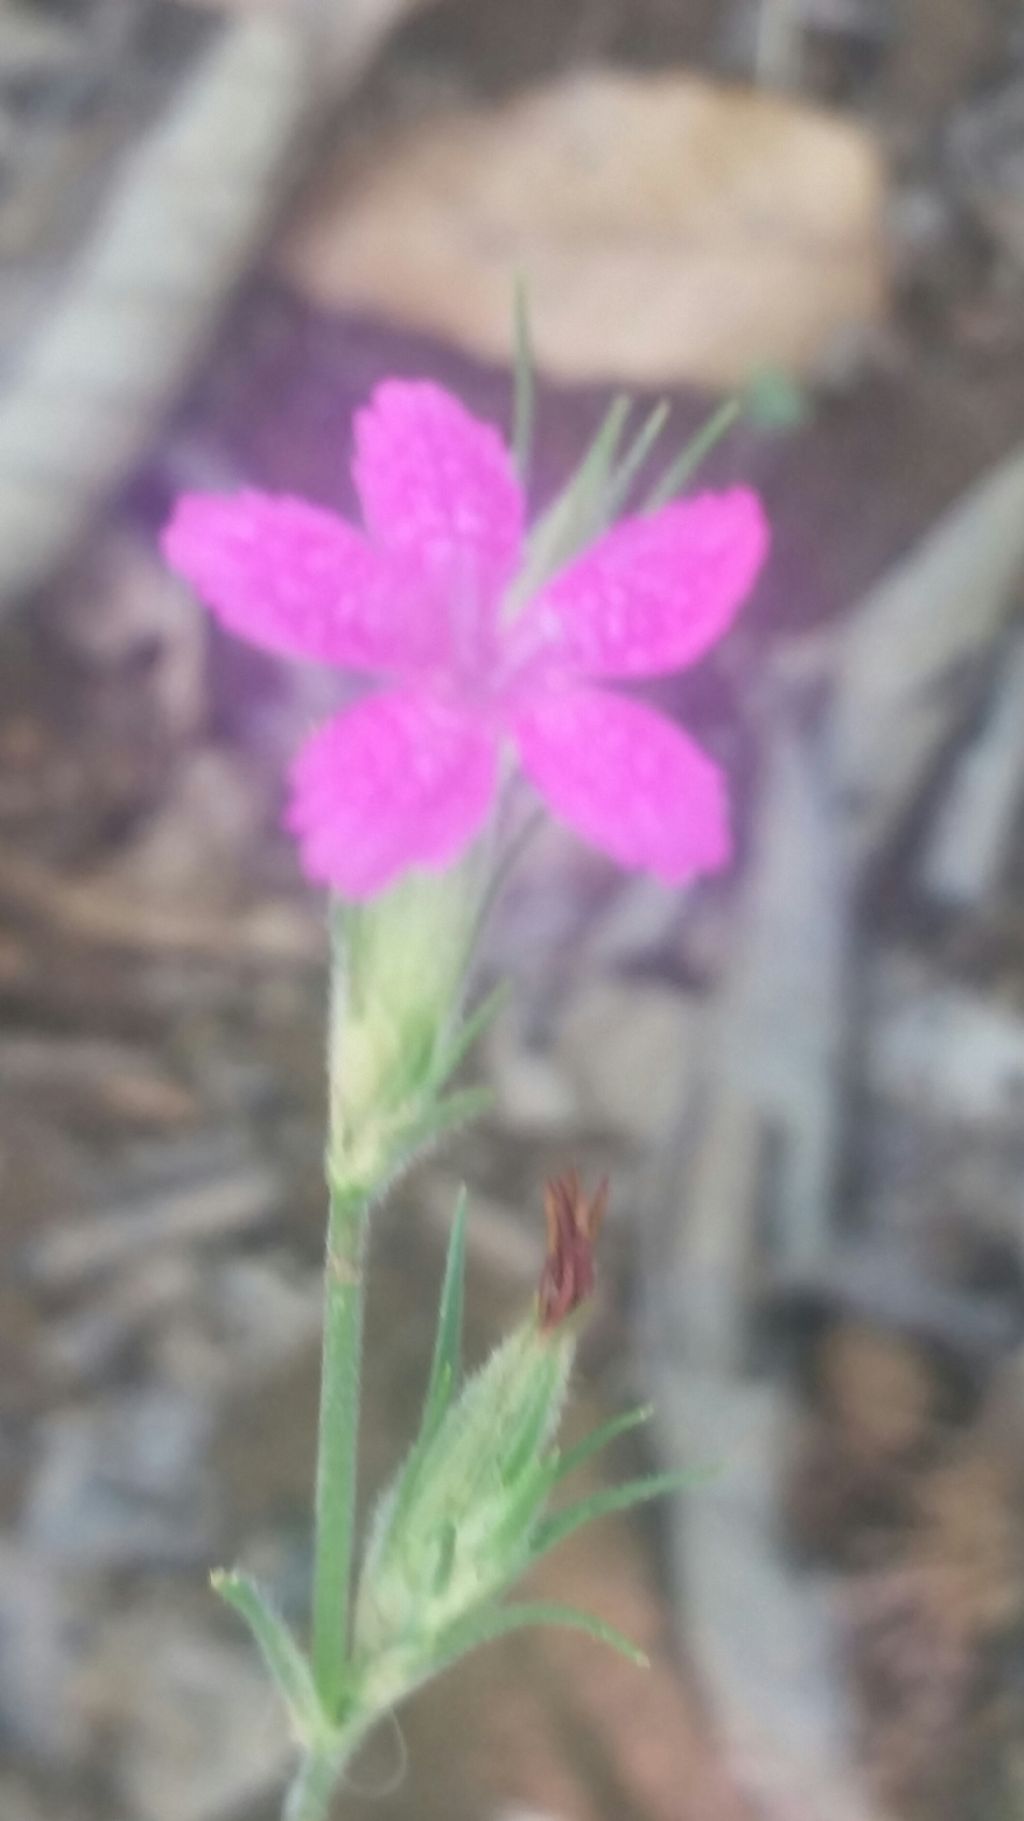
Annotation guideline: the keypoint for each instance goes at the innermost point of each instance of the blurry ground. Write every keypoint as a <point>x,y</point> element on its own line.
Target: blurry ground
<point>807,1085</point>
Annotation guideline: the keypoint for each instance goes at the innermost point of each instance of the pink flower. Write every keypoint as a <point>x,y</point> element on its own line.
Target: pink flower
<point>407,777</point>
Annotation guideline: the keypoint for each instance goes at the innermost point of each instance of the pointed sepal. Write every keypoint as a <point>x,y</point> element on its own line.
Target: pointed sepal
<point>499,1621</point>
<point>446,1365</point>
<point>679,474</point>
<point>578,513</point>
<point>468,1032</point>
<point>288,1668</point>
<point>561,1524</point>
<point>621,480</point>
<point>562,1465</point>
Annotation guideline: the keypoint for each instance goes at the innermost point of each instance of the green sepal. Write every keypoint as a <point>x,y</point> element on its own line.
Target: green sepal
<point>535,1424</point>
<point>525,387</point>
<point>436,1120</point>
<point>498,1621</point>
<point>679,473</point>
<point>562,1465</point>
<point>619,483</point>
<point>526,1500</point>
<point>561,1524</point>
<point>453,1110</point>
<point>446,1365</point>
<point>447,1543</point>
<point>288,1668</point>
<point>471,1028</point>
<point>579,510</point>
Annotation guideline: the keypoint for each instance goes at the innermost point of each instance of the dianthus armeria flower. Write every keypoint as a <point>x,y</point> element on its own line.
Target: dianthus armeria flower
<point>417,599</point>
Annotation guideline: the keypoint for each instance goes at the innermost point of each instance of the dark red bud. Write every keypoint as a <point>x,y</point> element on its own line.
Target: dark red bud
<point>573,1225</point>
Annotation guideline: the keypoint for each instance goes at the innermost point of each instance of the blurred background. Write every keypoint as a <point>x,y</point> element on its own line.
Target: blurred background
<point>219,227</point>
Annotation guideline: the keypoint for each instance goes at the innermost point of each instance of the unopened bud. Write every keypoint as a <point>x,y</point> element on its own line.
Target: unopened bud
<point>460,1521</point>
<point>567,1280</point>
<point>397,982</point>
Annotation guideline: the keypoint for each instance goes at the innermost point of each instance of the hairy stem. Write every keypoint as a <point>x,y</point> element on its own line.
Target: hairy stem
<point>309,1797</point>
<point>337,1444</point>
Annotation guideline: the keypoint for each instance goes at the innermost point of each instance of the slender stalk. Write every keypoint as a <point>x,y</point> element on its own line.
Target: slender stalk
<point>337,1443</point>
<point>309,1798</point>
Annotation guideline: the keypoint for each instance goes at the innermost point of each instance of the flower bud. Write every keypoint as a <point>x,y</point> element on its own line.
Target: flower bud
<point>460,1522</point>
<point>397,983</point>
<point>455,1527</point>
<point>567,1280</point>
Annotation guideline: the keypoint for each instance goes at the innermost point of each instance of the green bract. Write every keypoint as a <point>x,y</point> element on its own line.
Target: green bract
<point>396,1037</point>
<point>456,1527</point>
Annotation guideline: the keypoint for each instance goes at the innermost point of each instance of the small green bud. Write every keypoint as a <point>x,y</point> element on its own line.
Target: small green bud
<point>461,1521</point>
<point>398,977</point>
<point>455,1527</point>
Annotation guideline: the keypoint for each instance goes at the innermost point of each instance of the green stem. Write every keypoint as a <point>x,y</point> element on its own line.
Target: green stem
<point>309,1798</point>
<point>337,1443</point>
<point>321,1770</point>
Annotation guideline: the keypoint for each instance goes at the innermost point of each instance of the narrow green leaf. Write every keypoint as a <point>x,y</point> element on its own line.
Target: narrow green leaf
<point>585,495</point>
<point>497,1622</point>
<point>288,1667</point>
<point>680,472</point>
<point>458,1109</point>
<point>525,394</point>
<point>639,449</point>
<point>572,518</point>
<point>473,1027</point>
<point>446,1365</point>
<point>441,1116</point>
<point>561,1524</point>
<point>592,1444</point>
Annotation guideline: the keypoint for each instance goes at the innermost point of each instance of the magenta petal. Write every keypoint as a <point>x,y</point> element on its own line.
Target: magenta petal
<point>652,594</point>
<point>401,780</point>
<point>438,483</point>
<point>627,780</point>
<point>298,580</point>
